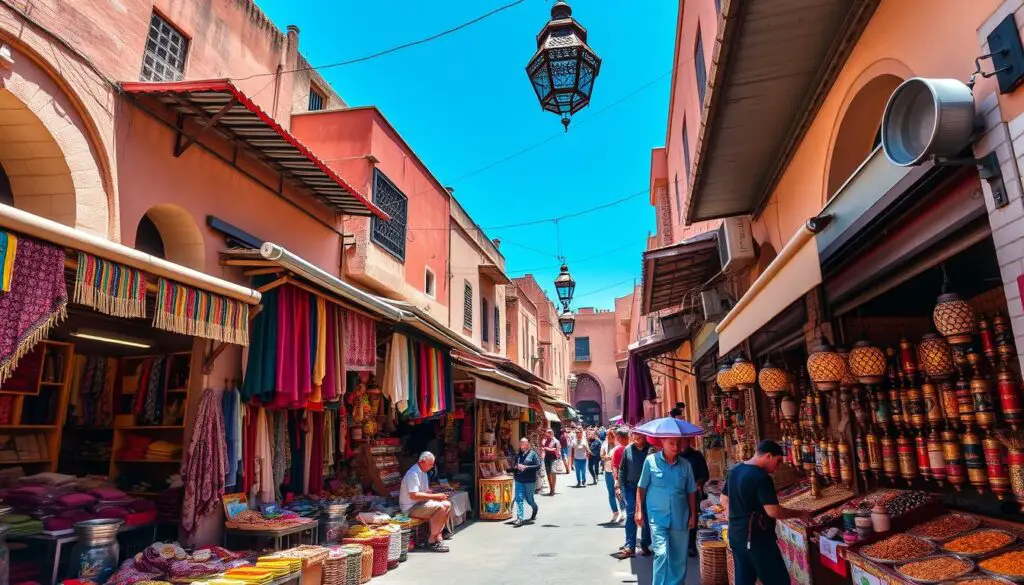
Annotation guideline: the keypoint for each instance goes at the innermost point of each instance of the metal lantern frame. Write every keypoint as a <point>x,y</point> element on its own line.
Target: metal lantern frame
<point>567,322</point>
<point>564,68</point>
<point>565,286</point>
<point>743,373</point>
<point>825,366</point>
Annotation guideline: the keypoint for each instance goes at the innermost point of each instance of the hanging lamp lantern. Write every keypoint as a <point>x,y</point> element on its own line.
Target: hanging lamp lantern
<point>744,373</point>
<point>572,381</point>
<point>849,381</point>
<point>773,380</point>
<point>724,378</point>
<point>564,68</point>
<point>954,318</point>
<point>867,363</point>
<point>825,366</point>
<point>567,321</point>
<point>934,357</point>
<point>565,286</point>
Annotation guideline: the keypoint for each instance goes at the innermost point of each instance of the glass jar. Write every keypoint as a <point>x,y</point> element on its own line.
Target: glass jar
<point>94,557</point>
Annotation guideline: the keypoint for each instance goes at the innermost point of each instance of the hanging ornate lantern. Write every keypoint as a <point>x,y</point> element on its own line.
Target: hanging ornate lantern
<point>954,318</point>
<point>849,381</point>
<point>867,363</point>
<point>725,378</point>
<point>934,357</point>
<point>744,374</point>
<point>564,287</point>
<point>564,68</point>
<point>773,380</point>
<point>825,366</point>
<point>567,322</point>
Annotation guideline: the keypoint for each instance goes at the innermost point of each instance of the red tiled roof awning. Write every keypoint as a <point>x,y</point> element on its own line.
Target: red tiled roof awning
<point>220,106</point>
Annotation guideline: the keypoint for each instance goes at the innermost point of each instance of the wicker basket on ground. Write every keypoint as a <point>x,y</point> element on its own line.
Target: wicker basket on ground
<point>712,562</point>
<point>394,534</point>
<point>420,532</point>
<point>406,536</point>
<point>342,566</point>
<point>379,544</point>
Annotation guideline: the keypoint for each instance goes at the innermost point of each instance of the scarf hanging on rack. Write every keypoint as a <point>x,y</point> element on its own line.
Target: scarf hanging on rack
<point>37,299</point>
<point>8,251</point>
<point>230,407</point>
<point>281,452</point>
<point>203,472</point>
<point>319,336</point>
<point>360,342</point>
<point>316,454</point>
<point>109,287</point>
<point>261,368</point>
<point>329,388</point>
<point>294,376</point>
<point>189,311</point>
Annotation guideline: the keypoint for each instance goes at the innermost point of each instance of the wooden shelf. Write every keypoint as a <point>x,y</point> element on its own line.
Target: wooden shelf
<point>26,461</point>
<point>27,427</point>
<point>152,428</point>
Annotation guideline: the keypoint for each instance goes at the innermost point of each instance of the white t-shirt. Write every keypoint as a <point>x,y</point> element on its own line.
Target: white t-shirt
<point>580,448</point>
<point>415,480</point>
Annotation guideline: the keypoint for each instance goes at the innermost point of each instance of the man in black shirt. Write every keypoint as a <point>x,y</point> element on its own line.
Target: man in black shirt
<point>700,475</point>
<point>752,504</point>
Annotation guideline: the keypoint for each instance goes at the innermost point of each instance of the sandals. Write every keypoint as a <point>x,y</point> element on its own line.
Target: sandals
<point>624,553</point>
<point>438,547</point>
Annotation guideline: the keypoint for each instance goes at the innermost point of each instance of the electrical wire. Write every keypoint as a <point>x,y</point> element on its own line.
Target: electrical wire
<point>610,286</point>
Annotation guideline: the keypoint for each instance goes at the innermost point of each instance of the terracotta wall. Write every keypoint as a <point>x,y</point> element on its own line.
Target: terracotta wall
<point>600,328</point>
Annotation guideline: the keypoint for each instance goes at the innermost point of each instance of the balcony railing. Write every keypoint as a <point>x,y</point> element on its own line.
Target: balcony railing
<point>583,357</point>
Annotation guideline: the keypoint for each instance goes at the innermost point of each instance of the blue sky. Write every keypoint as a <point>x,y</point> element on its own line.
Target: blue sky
<point>464,103</point>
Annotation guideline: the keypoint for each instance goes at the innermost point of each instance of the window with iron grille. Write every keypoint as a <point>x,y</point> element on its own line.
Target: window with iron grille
<point>467,307</point>
<point>390,234</point>
<point>485,328</point>
<point>497,327</point>
<point>583,349</point>
<point>316,99</point>
<point>166,49</point>
<point>698,65</point>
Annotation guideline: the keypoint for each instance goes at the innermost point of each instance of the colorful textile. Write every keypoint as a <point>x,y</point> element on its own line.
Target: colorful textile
<point>110,287</point>
<point>8,251</point>
<point>261,367</point>
<point>37,300</point>
<point>206,463</point>
<point>320,355</point>
<point>231,410</point>
<point>189,311</point>
<point>294,375</point>
<point>360,342</point>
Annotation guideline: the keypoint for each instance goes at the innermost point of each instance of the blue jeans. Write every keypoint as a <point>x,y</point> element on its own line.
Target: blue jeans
<point>609,482</point>
<point>524,491</point>
<point>629,494</point>
<point>580,465</point>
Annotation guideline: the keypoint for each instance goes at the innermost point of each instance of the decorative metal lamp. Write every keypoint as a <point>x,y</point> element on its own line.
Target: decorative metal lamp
<point>934,357</point>
<point>572,381</point>
<point>773,380</point>
<point>564,68</point>
<point>825,366</point>
<point>744,374</point>
<point>867,363</point>
<point>567,321</point>
<point>725,378</point>
<point>954,318</point>
<point>564,287</point>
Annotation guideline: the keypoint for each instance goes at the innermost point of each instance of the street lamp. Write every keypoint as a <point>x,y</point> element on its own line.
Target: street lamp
<point>567,322</point>
<point>564,67</point>
<point>573,380</point>
<point>564,286</point>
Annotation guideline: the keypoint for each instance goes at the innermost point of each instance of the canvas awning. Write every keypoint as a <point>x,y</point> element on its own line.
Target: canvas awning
<point>550,413</point>
<point>794,272</point>
<point>494,392</point>
<point>217,105</point>
<point>672,272</point>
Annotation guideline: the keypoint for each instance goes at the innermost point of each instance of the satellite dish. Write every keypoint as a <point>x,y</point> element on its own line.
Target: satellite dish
<point>926,118</point>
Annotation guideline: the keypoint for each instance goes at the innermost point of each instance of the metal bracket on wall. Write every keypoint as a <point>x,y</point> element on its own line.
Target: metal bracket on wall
<point>1007,54</point>
<point>988,169</point>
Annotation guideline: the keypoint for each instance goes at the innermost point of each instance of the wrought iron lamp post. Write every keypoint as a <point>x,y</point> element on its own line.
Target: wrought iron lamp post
<point>564,287</point>
<point>564,68</point>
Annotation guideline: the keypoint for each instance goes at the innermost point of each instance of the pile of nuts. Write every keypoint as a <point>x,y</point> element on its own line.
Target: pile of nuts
<point>898,548</point>
<point>937,568</point>
<point>946,526</point>
<point>979,542</point>
<point>1009,563</point>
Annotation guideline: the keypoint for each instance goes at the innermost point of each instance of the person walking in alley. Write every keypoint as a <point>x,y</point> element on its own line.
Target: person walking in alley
<point>630,467</point>
<point>580,454</point>
<point>701,475</point>
<point>565,439</point>
<point>607,450</point>
<point>416,501</point>
<point>594,457</point>
<point>552,450</point>
<point>752,506</point>
<point>667,491</point>
<point>525,475</point>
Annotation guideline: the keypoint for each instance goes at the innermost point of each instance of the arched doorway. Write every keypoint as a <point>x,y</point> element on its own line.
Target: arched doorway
<point>169,232</point>
<point>588,399</point>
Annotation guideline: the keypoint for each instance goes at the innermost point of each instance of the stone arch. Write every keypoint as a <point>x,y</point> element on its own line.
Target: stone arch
<point>855,131</point>
<point>181,239</point>
<point>589,393</point>
<point>47,148</point>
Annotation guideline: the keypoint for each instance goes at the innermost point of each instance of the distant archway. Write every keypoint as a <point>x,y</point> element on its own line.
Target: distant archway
<point>588,390</point>
<point>169,232</point>
<point>590,412</point>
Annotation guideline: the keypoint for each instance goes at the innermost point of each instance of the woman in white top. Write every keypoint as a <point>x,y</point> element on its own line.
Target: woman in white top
<point>580,455</point>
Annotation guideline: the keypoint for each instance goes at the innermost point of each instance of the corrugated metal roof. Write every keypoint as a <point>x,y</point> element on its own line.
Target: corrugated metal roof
<point>218,104</point>
<point>669,273</point>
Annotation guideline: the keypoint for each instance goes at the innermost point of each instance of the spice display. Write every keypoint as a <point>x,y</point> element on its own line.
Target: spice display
<point>1010,564</point>
<point>829,497</point>
<point>979,542</point>
<point>898,548</point>
<point>980,581</point>
<point>940,568</point>
<point>946,526</point>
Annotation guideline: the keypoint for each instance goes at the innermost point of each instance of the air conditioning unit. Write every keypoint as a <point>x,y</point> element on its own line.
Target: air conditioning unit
<point>714,304</point>
<point>735,244</point>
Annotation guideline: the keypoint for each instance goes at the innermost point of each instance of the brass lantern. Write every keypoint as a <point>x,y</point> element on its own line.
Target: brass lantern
<point>725,378</point>
<point>849,381</point>
<point>954,318</point>
<point>825,366</point>
<point>744,374</point>
<point>867,363</point>
<point>773,380</point>
<point>934,356</point>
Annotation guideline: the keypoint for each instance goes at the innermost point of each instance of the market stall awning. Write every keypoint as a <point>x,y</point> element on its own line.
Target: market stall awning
<point>794,272</point>
<point>218,105</point>
<point>672,272</point>
<point>770,71</point>
<point>488,390</point>
<point>550,413</point>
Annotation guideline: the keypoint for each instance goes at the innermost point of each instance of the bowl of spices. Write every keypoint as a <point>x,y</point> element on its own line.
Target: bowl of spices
<point>1009,564</point>
<point>979,580</point>
<point>979,542</point>
<point>897,549</point>
<point>946,526</point>
<point>935,569</point>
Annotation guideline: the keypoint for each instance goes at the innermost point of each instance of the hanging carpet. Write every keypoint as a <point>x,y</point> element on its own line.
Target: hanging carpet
<point>110,287</point>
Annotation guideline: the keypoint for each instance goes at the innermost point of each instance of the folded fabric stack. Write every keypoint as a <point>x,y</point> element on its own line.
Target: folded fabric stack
<point>280,566</point>
<point>251,575</point>
<point>168,505</point>
<point>135,447</point>
<point>22,525</point>
<point>172,562</point>
<point>86,450</point>
<point>32,447</point>
<point>49,478</point>
<point>163,450</point>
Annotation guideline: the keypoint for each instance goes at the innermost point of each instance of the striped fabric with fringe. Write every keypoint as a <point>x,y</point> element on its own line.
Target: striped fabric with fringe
<point>189,311</point>
<point>110,287</point>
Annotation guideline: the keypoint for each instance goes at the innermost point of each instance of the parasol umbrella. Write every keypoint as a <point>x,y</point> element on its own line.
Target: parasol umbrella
<point>667,427</point>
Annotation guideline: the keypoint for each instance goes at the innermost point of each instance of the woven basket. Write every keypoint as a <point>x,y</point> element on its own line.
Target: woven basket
<point>375,555</point>
<point>394,534</point>
<point>336,567</point>
<point>354,566</point>
<point>712,562</point>
<point>366,564</point>
<point>406,536</point>
<point>729,566</point>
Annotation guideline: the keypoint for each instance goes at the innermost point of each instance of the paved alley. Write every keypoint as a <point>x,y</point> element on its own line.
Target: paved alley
<point>568,544</point>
